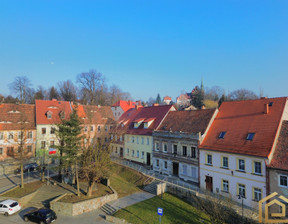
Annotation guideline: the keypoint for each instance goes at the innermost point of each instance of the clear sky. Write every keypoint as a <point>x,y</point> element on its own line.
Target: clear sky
<point>147,47</point>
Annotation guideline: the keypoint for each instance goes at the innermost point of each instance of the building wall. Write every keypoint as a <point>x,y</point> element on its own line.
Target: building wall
<point>231,174</point>
<point>48,137</point>
<point>139,147</point>
<point>274,182</point>
<point>14,142</point>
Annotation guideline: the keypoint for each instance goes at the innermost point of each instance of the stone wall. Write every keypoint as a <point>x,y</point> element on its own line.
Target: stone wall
<point>72,209</point>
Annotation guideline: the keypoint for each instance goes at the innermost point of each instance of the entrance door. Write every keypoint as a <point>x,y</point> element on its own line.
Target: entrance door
<point>209,183</point>
<point>148,157</point>
<point>175,169</point>
<point>121,152</point>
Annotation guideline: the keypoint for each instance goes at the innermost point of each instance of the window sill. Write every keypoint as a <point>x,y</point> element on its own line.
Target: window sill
<point>241,171</point>
<point>257,174</point>
<point>208,164</point>
<point>227,192</point>
<point>226,168</point>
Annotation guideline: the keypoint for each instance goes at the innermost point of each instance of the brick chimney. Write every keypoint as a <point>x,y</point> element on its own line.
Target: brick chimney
<point>266,108</point>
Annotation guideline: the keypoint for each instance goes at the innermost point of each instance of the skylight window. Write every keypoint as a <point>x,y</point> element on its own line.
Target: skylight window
<point>250,136</point>
<point>270,104</point>
<point>222,134</point>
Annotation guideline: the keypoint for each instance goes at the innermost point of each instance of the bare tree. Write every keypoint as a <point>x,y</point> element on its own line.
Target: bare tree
<point>214,93</point>
<point>91,84</point>
<point>20,87</point>
<point>40,93</point>
<point>242,94</point>
<point>68,91</point>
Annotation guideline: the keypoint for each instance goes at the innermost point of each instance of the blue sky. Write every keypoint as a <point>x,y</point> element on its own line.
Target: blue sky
<point>147,47</point>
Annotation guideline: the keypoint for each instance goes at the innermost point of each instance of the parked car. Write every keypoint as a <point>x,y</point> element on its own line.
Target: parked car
<point>26,167</point>
<point>42,216</point>
<point>9,207</point>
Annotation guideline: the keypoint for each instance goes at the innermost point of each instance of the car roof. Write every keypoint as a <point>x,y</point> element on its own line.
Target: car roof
<point>8,202</point>
<point>44,210</point>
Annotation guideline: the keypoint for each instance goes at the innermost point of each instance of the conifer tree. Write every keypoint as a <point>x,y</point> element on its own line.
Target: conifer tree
<point>158,99</point>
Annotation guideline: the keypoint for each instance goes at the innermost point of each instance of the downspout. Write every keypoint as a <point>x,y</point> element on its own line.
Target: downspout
<point>267,180</point>
<point>198,158</point>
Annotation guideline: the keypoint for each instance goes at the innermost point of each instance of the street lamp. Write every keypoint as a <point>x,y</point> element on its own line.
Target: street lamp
<point>240,196</point>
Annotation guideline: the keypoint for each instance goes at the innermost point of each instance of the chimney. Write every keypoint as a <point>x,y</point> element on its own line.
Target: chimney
<point>54,99</point>
<point>129,102</point>
<point>266,108</point>
<point>138,106</point>
<point>203,107</point>
<point>138,102</point>
<point>155,104</point>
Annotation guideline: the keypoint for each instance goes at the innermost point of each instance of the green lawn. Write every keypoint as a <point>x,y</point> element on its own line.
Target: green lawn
<point>28,189</point>
<point>125,180</point>
<point>175,211</point>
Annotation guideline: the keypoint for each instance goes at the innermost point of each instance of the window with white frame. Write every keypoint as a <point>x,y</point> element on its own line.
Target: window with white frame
<point>175,149</point>
<point>133,139</point>
<point>43,144</point>
<point>165,164</point>
<point>30,134</point>
<point>137,153</point>
<point>99,128</point>
<point>20,134</point>
<point>165,147</point>
<point>10,135</point>
<point>137,140</point>
<point>208,159</point>
<point>52,130</point>
<point>121,138</point>
<point>111,137</point>
<point>156,146</point>
<point>85,128</point>
<point>115,137</point>
<point>142,155</point>
<point>257,194</point>
<point>257,167</point>
<point>283,181</point>
<point>1,135</point>
<point>184,168</point>
<point>184,150</point>
<point>157,162</point>
<point>242,190</point>
<point>225,186</point>
<point>225,163</point>
<point>127,151</point>
<point>29,148</point>
<point>133,153</point>
<point>148,141</point>
<point>142,140</point>
<point>241,164</point>
<point>91,128</point>
<point>43,131</point>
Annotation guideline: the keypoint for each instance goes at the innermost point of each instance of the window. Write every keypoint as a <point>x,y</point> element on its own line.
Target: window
<point>142,140</point>
<point>165,147</point>
<point>242,190</point>
<point>133,153</point>
<point>20,135</point>
<point>241,164</point>
<point>29,148</point>
<point>43,144</point>
<point>184,167</point>
<point>184,150</point>
<point>193,152</point>
<point>111,137</point>
<point>137,140</point>
<point>283,182</point>
<point>19,149</point>
<point>157,162</point>
<point>116,150</point>
<point>148,141</point>
<point>99,128</point>
<point>127,151</point>
<point>106,128</point>
<point>175,149</point>
<point>121,138</point>
<point>116,137</point>
<point>209,159</point>
<point>30,134</point>
<point>250,136</point>
<point>52,131</point>
<point>257,168</point>
<point>222,134</point>
<point>10,150</point>
<point>137,153</point>
<point>194,173</point>
<point>156,146</point>
<point>142,155</point>
<point>49,115</point>
<point>1,151</point>
<point>165,164</point>
<point>257,194</point>
<point>133,139</point>
<point>43,131</point>
<point>1,135</point>
<point>52,143</point>
<point>225,163</point>
<point>85,128</point>
<point>225,186</point>
<point>106,139</point>
<point>10,135</point>
<point>92,128</point>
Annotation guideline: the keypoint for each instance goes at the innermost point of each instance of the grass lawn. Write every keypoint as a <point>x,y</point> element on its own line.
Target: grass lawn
<point>101,191</point>
<point>174,211</point>
<point>125,180</point>
<point>28,189</point>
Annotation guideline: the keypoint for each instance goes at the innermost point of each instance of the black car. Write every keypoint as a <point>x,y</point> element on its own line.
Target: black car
<point>28,167</point>
<point>42,215</point>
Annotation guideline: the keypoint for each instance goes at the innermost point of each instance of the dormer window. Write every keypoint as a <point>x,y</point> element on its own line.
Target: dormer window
<point>222,134</point>
<point>62,114</point>
<point>250,136</point>
<point>148,122</point>
<point>49,114</point>
<point>138,122</point>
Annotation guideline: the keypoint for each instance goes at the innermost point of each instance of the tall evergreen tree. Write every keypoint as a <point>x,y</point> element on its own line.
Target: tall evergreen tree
<point>158,99</point>
<point>69,135</point>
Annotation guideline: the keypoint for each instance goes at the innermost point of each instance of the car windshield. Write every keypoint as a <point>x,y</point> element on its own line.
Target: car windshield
<point>13,204</point>
<point>50,214</point>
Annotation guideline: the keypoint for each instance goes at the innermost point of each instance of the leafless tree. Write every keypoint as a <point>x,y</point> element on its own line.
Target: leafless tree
<point>242,94</point>
<point>214,93</point>
<point>68,91</point>
<point>91,84</point>
<point>40,93</point>
<point>20,87</point>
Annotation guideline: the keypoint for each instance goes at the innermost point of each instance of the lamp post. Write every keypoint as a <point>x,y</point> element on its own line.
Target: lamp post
<point>240,196</point>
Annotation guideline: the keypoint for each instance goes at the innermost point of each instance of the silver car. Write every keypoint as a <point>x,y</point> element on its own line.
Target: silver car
<point>9,207</point>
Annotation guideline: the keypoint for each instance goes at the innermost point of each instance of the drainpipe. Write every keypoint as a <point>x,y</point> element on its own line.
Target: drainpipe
<point>267,180</point>
<point>198,158</point>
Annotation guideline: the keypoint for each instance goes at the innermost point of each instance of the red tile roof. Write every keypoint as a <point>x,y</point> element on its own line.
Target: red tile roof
<point>95,114</point>
<point>237,119</point>
<point>167,98</point>
<point>125,105</point>
<point>17,117</point>
<point>280,157</point>
<point>190,121</point>
<point>54,106</point>
<point>157,113</point>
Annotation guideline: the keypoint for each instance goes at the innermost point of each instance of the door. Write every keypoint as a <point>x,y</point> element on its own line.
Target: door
<point>209,183</point>
<point>175,169</point>
<point>148,158</point>
<point>121,152</point>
